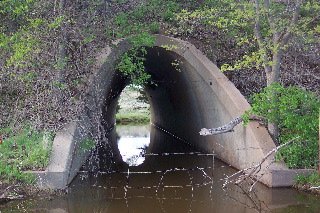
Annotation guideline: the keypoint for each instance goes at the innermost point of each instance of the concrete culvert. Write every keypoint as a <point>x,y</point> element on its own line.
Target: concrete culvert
<point>190,93</point>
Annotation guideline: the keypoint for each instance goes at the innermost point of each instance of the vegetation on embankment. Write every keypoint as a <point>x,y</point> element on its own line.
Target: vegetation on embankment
<point>21,151</point>
<point>296,111</point>
<point>132,118</point>
<point>309,183</point>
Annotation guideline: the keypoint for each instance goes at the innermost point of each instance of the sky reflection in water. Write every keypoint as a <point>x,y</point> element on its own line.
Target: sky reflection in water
<point>132,148</point>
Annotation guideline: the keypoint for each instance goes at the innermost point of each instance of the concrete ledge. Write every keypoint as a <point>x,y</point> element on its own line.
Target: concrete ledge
<point>286,177</point>
<point>51,180</point>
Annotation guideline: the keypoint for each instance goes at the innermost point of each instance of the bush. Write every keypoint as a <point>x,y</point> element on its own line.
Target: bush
<point>296,111</point>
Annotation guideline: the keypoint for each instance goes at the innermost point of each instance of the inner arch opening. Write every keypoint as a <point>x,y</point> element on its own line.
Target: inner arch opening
<point>174,105</point>
<point>174,108</point>
<point>133,125</point>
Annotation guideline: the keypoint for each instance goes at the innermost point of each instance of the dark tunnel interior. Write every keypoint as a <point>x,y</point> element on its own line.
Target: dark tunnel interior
<point>173,103</point>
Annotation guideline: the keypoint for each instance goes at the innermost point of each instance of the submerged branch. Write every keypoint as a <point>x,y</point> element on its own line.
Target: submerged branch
<point>255,169</point>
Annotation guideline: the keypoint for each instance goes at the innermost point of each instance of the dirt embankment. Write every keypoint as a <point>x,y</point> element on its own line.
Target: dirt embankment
<point>308,188</point>
<point>16,191</point>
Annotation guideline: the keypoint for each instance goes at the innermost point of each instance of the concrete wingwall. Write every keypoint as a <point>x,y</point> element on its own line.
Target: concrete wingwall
<point>216,101</point>
<point>191,93</point>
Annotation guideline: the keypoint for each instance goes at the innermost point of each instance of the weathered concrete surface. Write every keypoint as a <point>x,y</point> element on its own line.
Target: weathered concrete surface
<point>72,146</point>
<point>70,149</point>
<point>191,93</point>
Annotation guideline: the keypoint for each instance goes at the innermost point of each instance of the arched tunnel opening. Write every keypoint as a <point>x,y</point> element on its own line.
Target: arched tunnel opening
<point>175,115</point>
<point>189,92</point>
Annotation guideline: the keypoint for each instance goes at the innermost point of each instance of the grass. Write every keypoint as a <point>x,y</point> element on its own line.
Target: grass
<point>24,150</point>
<point>132,118</point>
<point>310,180</point>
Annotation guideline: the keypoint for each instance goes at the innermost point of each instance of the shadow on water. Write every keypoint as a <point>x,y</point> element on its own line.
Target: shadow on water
<point>165,181</point>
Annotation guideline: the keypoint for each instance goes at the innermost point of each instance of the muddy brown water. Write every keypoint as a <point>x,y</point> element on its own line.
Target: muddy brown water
<point>186,181</point>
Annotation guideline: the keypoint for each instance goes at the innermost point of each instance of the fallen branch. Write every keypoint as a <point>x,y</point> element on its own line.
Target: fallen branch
<point>223,129</point>
<point>6,199</point>
<point>230,126</point>
<point>254,170</point>
<point>5,196</point>
<point>256,167</point>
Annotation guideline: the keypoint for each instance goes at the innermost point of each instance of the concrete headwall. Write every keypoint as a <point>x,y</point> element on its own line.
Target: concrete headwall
<point>191,93</point>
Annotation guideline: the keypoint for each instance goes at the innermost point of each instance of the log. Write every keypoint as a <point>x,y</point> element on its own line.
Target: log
<point>223,129</point>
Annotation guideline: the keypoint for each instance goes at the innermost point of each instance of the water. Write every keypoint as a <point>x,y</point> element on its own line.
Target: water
<point>182,182</point>
<point>132,143</point>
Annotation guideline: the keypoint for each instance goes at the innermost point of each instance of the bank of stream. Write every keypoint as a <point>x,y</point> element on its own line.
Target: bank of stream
<point>165,176</point>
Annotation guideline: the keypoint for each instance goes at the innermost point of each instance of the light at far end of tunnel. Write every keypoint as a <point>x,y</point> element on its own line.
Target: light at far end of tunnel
<point>132,149</point>
<point>133,143</point>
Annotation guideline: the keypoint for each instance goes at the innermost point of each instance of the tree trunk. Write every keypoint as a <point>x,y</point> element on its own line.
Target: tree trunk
<point>319,147</point>
<point>273,76</point>
<point>273,72</point>
<point>279,40</point>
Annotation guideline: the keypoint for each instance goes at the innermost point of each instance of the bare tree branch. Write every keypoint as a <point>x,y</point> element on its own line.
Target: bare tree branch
<point>258,35</point>
<point>229,126</point>
<point>5,196</point>
<point>294,20</point>
<point>243,174</point>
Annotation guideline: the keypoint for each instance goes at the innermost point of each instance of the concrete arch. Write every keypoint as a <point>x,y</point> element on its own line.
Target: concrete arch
<point>192,93</point>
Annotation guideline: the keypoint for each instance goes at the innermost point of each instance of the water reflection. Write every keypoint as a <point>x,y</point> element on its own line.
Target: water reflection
<point>168,183</point>
<point>133,142</point>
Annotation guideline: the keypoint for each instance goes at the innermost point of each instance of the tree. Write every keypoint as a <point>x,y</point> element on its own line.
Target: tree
<point>273,45</point>
<point>263,30</point>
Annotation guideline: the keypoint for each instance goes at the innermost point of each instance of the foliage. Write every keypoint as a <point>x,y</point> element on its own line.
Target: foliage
<point>311,179</point>
<point>144,18</point>
<point>131,63</point>
<point>87,144</point>
<point>15,9</point>
<point>138,24</point>
<point>25,150</point>
<point>29,41</point>
<point>236,19</point>
<point>16,38</point>
<point>22,44</point>
<point>296,112</point>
